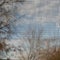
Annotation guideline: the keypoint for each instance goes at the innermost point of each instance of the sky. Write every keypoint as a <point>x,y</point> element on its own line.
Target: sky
<point>38,13</point>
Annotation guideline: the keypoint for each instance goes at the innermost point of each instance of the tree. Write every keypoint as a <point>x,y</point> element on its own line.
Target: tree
<point>8,10</point>
<point>34,39</point>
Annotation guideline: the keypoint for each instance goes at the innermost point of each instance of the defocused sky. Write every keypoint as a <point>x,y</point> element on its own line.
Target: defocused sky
<point>38,13</point>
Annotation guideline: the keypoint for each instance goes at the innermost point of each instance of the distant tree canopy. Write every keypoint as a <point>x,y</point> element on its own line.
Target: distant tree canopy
<point>7,12</point>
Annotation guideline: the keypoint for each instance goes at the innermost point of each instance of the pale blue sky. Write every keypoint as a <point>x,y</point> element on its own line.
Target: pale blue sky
<point>49,29</point>
<point>37,13</point>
